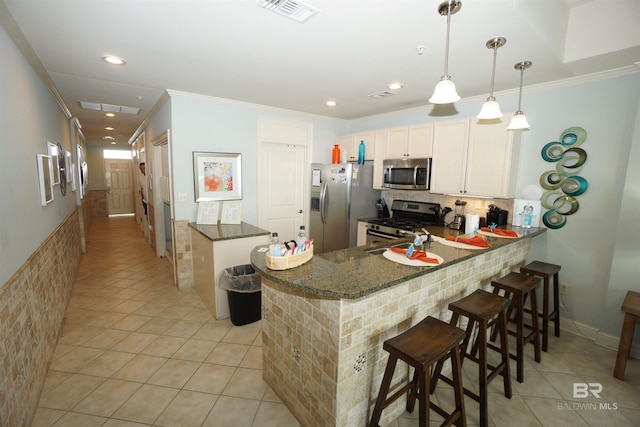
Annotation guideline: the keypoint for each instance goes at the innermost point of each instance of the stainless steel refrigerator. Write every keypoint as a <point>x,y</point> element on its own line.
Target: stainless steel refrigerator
<point>340,195</point>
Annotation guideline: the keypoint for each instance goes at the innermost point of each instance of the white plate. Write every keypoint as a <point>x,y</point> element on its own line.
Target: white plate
<point>485,233</point>
<point>402,259</point>
<point>453,244</point>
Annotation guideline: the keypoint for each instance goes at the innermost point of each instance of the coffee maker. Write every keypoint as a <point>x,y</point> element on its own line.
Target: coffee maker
<point>458,210</point>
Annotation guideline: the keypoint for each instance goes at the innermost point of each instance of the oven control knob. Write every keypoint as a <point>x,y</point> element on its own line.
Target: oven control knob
<point>397,231</point>
<point>377,227</point>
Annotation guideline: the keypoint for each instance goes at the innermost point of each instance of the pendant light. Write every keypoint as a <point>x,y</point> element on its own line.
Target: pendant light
<point>445,91</point>
<point>519,120</point>
<point>491,109</point>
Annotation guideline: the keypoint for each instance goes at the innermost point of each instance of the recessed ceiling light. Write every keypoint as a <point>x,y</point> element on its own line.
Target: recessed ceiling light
<point>113,143</point>
<point>331,103</point>
<point>395,86</point>
<point>109,128</point>
<point>110,114</point>
<point>113,60</point>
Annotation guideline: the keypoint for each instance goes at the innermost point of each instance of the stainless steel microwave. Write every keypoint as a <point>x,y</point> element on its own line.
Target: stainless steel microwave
<point>407,174</point>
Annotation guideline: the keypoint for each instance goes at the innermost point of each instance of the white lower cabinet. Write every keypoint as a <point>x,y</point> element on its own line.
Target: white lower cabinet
<point>211,258</point>
<point>473,159</point>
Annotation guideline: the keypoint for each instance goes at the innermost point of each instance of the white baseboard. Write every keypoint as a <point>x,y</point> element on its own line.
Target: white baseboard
<point>595,335</point>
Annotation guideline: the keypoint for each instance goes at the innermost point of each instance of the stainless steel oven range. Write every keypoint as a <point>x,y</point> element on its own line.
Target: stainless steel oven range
<point>406,217</point>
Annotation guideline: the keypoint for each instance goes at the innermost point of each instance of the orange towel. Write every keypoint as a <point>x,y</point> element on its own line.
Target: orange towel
<point>419,255</point>
<point>475,241</point>
<point>500,232</point>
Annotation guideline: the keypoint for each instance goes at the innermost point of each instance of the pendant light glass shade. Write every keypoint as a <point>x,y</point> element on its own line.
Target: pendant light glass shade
<point>445,91</point>
<point>491,109</point>
<point>519,120</point>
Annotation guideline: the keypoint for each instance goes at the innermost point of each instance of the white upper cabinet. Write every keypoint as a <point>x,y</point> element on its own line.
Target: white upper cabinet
<point>493,159</point>
<point>381,143</point>
<point>409,142</point>
<point>473,159</point>
<point>449,156</point>
<point>351,143</point>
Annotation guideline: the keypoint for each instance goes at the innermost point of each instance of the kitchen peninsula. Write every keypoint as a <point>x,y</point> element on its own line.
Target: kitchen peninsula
<point>324,322</point>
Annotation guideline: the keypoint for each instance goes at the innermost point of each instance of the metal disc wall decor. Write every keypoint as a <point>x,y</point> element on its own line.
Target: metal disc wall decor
<point>563,184</point>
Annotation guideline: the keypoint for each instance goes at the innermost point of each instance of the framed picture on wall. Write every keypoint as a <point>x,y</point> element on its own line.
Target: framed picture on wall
<point>68,162</point>
<point>52,151</point>
<point>217,176</point>
<point>45,177</point>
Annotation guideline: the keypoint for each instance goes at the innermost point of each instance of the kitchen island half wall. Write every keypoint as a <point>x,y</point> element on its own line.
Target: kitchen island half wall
<point>322,345</point>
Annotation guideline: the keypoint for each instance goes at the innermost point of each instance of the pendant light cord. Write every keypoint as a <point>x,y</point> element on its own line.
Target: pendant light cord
<point>493,71</point>
<point>446,48</point>
<point>520,92</point>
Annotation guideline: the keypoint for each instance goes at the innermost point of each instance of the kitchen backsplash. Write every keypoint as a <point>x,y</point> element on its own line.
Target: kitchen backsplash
<point>475,205</point>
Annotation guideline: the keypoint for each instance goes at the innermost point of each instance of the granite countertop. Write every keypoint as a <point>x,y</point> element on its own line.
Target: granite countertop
<point>353,272</point>
<point>228,231</point>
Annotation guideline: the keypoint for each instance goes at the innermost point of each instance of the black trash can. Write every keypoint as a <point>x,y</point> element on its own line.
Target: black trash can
<point>243,288</point>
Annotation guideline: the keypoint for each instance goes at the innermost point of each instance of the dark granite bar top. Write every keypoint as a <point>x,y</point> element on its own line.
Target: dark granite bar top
<point>228,231</point>
<point>353,272</point>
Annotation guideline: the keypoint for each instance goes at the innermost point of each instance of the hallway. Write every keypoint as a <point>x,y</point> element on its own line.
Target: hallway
<point>135,351</point>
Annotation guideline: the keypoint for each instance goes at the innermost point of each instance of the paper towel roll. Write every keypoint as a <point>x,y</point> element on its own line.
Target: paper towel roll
<point>471,223</point>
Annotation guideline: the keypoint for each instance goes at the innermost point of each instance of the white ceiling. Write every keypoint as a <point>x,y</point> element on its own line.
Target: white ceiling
<point>352,48</point>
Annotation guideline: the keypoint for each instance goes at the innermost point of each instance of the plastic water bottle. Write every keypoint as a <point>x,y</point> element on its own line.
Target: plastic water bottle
<point>361,148</point>
<point>527,215</point>
<point>302,236</point>
<point>275,249</point>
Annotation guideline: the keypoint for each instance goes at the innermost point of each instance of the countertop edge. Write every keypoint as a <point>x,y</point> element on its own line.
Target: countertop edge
<point>272,275</point>
<point>240,231</point>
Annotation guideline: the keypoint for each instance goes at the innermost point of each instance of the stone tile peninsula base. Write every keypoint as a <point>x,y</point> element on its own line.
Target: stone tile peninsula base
<point>323,356</point>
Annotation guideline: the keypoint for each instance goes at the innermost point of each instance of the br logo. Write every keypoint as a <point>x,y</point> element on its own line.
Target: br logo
<point>582,390</point>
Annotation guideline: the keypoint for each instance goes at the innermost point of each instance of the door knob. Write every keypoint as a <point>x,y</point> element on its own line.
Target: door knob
<point>300,211</point>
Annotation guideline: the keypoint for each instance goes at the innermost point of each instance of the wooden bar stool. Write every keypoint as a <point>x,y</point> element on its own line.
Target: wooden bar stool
<point>518,286</point>
<point>546,271</point>
<point>631,308</point>
<point>421,346</point>
<point>483,309</point>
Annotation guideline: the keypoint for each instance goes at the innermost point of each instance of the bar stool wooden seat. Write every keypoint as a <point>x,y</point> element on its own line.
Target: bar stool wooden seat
<point>517,286</point>
<point>547,271</point>
<point>631,308</point>
<point>483,309</point>
<point>421,346</point>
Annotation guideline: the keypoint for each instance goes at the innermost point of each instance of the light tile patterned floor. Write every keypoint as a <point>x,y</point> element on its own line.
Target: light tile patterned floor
<point>136,351</point>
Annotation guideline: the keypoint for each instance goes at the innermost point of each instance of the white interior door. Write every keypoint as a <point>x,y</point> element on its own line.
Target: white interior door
<point>283,183</point>
<point>119,179</point>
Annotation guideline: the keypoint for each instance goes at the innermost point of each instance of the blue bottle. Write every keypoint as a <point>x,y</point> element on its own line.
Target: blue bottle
<point>361,153</point>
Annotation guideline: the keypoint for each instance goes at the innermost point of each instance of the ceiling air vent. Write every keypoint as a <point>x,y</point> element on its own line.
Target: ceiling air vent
<point>383,94</point>
<point>108,107</point>
<point>292,9</point>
